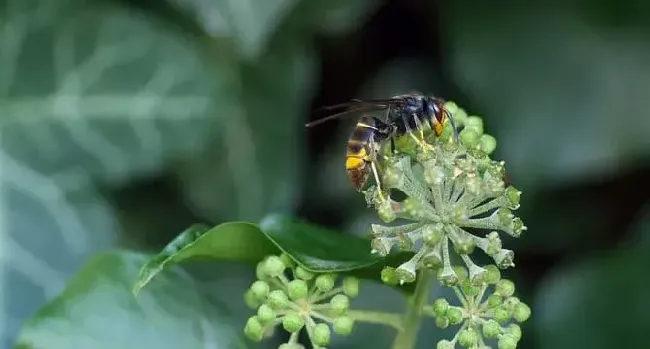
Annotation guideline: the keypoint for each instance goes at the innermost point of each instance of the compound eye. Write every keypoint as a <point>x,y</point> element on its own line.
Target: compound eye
<point>435,111</point>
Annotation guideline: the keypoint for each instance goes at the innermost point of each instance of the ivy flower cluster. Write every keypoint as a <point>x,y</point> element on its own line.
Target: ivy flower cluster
<point>288,295</point>
<point>485,312</point>
<point>453,192</point>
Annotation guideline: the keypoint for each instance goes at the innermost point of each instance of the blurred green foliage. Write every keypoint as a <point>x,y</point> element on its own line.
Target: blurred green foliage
<point>122,122</point>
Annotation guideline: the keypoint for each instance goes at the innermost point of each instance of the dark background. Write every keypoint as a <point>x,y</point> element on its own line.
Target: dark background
<point>563,86</point>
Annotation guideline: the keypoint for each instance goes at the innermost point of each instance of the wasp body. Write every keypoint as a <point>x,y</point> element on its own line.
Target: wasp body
<point>403,115</point>
<point>362,148</point>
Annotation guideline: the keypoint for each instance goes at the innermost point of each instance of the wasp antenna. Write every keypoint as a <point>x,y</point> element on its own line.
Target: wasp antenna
<point>334,116</point>
<point>453,125</point>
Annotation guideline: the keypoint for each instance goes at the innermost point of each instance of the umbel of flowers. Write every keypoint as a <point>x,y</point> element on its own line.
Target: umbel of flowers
<point>288,295</point>
<point>456,200</point>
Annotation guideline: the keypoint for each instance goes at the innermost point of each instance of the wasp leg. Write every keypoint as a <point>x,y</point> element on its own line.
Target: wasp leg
<point>374,166</point>
<point>420,140</point>
<point>453,126</point>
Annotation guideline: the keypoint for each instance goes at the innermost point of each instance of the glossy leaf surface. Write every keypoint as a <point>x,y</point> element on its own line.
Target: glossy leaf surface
<point>317,248</point>
<point>234,241</point>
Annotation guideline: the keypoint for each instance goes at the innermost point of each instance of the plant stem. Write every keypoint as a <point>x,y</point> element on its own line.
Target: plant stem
<point>377,317</point>
<point>411,321</point>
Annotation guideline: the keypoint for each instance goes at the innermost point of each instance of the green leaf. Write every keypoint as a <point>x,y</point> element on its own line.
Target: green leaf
<point>97,310</point>
<point>607,295</point>
<point>233,241</point>
<point>316,248</point>
<point>91,95</point>
<point>250,24</point>
<point>584,113</point>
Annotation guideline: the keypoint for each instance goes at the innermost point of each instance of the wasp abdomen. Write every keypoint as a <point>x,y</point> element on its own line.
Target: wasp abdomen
<point>358,152</point>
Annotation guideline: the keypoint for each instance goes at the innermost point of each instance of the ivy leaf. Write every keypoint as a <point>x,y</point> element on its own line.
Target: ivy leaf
<point>316,248</point>
<point>584,112</point>
<point>607,297</point>
<point>250,24</point>
<point>97,310</point>
<point>90,95</point>
<point>233,241</point>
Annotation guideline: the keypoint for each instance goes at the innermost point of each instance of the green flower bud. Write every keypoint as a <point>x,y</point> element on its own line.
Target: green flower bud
<point>504,216</point>
<point>515,331</point>
<point>494,243</point>
<point>343,325</point>
<point>325,282</point>
<point>504,258</point>
<point>405,243</point>
<point>474,122</point>
<point>393,177</point>
<point>381,246</point>
<point>505,288</point>
<point>265,313</point>
<point>388,276</point>
<point>455,315</point>
<point>491,329</point>
<point>321,335</point>
<point>494,300</point>
<point>293,322</point>
<point>445,344</point>
<point>493,274</point>
<point>432,260</point>
<point>297,289</point>
<point>412,207</point>
<point>517,227</point>
<point>277,299</point>
<point>260,289</point>
<point>501,315</point>
<point>434,175</point>
<point>447,277</point>
<point>351,286</point>
<point>487,143</point>
<point>474,186</point>
<point>385,211</point>
<point>273,266</point>
<point>440,307</point>
<point>432,233</point>
<point>477,275</point>
<point>510,302</point>
<point>260,272</point>
<point>507,342</point>
<point>340,304</point>
<point>513,196</point>
<point>521,312</point>
<point>254,329</point>
<point>461,272</point>
<point>469,289</point>
<point>442,322</point>
<point>250,300</point>
<point>464,246</point>
<point>304,274</point>
<point>406,272</point>
<point>469,137</point>
<point>468,338</point>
